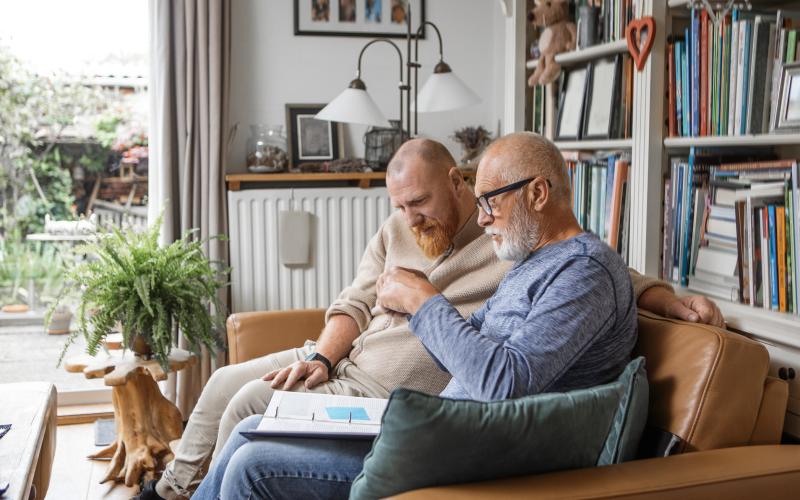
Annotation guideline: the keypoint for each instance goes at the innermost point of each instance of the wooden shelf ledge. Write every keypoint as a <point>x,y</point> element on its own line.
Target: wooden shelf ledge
<point>364,179</point>
<point>603,144</point>
<point>587,54</point>
<point>733,141</point>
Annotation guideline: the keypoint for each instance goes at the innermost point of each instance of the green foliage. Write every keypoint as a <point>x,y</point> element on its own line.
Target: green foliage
<point>150,290</point>
<point>23,264</point>
<point>34,111</point>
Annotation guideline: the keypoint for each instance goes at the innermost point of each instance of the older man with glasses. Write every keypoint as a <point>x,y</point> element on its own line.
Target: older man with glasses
<point>563,317</point>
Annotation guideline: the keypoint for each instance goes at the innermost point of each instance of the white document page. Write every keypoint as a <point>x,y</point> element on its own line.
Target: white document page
<point>303,413</point>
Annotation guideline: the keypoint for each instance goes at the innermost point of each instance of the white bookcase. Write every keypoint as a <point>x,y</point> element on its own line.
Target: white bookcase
<point>650,150</point>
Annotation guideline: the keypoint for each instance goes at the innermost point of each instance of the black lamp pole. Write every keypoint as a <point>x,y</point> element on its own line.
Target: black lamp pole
<point>414,65</point>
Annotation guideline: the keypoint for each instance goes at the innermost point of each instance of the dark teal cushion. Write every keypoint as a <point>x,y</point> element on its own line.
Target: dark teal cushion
<point>429,441</point>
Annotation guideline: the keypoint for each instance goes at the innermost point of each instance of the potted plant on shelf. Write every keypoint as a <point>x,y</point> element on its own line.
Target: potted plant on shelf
<point>148,290</point>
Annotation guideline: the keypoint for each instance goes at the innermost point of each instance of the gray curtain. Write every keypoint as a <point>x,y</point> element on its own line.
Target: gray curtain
<point>189,89</point>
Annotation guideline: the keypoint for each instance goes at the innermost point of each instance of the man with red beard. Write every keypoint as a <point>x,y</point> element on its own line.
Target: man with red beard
<point>365,350</point>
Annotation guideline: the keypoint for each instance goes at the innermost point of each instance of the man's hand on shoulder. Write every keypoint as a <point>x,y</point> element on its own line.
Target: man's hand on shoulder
<point>313,372</point>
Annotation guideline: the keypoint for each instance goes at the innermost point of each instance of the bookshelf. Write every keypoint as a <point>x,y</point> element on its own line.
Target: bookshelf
<point>650,150</point>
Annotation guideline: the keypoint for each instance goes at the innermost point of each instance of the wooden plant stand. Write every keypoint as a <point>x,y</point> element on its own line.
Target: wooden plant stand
<point>145,420</point>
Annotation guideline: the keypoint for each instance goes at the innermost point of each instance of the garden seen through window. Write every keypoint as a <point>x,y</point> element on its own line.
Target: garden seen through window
<point>73,158</point>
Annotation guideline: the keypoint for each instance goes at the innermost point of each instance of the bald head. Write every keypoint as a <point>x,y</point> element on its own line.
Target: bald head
<point>428,158</point>
<point>522,155</point>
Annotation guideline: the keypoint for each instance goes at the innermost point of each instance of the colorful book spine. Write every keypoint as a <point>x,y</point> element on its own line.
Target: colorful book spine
<point>780,229</point>
<point>703,67</point>
<point>687,96</point>
<point>677,65</point>
<point>773,258</point>
<point>748,39</point>
<point>694,64</point>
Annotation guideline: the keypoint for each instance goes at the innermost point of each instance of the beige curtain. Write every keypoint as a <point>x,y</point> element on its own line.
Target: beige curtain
<point>190,43</point>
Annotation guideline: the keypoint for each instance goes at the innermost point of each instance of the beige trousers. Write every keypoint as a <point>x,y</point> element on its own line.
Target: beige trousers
<point>232,394</point>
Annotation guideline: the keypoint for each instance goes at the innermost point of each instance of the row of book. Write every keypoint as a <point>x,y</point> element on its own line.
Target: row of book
<point>612,17</point>
<point>732,230</point>
<point>716,73</point>
<point>600,196</point>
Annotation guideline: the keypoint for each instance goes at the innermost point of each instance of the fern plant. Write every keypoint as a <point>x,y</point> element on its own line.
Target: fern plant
<point>148,289</point>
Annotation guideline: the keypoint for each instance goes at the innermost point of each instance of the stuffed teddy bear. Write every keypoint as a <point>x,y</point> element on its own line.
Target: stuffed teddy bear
<point>558,36</point>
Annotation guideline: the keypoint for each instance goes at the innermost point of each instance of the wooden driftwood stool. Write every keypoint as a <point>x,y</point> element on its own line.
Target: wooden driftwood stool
<point>145,420</point>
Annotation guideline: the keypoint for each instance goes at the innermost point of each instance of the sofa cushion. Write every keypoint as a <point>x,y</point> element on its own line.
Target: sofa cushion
<point>698,373</point>
<point>426,440</point>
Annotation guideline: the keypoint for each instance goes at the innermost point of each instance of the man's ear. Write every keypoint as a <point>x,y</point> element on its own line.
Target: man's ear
<point>537,194</point>
<point>457,179</point>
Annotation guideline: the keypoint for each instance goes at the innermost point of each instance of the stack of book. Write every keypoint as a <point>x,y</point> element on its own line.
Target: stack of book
<point>600,196</point>
<point>723,77</point>
<point>732,230</point>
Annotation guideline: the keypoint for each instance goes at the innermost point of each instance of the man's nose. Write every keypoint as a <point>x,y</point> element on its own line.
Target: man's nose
<point>413,218</point>
<point>484,219</point>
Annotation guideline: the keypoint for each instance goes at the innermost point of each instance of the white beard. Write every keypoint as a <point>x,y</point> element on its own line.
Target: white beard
<point>517,240</point>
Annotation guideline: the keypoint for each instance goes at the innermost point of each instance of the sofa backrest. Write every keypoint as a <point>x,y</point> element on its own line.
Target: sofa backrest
<point>708,386</point>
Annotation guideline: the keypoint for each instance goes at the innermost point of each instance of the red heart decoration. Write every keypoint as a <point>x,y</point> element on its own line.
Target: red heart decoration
<point>633,34</point>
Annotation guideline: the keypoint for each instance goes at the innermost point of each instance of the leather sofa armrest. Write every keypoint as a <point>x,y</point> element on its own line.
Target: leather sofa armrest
<point>255,334</point>
<point>743,472</point>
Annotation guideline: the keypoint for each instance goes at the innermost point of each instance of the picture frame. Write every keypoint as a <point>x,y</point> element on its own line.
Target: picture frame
<point>572,103</point>
<point>789,99</point>
<point>358,18</point>
<point>602,98</point>
<point>310,140</point>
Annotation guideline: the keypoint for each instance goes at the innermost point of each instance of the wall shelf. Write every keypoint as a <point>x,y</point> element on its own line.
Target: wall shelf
<point>363,179</point>
<point>733,141</point>
<point>588,54</point>
<point>604,144</point>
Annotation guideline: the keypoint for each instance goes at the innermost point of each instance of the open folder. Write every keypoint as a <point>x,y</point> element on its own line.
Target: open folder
<point>304,414</point>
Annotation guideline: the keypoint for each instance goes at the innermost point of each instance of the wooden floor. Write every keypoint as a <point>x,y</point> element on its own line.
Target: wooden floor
<point>76,478</point>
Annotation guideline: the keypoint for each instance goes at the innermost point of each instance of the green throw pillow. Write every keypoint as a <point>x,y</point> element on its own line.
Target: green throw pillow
<point>428,441</point>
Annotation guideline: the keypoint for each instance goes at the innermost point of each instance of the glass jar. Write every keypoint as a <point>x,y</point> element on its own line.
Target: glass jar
<point>266,149</point>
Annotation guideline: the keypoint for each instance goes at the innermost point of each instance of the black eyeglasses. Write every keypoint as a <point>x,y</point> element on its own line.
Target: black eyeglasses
<point>483,200</point>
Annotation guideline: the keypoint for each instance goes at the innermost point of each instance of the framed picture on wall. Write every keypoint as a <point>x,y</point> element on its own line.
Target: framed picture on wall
<point>789,104</point>
<point>369,18</point>
<point>570,109</point>
<point>310,140</point>
<point>602,99</point>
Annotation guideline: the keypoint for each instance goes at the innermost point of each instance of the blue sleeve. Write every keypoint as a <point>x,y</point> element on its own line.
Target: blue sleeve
<point>578,306</point>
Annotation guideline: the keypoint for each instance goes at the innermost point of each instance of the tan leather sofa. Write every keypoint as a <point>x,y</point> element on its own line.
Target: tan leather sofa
<point>709,387</point>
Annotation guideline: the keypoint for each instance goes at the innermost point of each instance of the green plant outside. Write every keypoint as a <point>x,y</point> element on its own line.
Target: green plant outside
<point>23,264</point>
<point>149,290</point>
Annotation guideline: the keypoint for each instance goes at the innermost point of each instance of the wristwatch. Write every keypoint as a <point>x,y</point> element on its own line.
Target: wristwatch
<point>315,356</point>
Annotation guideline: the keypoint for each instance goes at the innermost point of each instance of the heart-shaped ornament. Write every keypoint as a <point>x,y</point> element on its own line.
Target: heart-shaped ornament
<point>636,30</point>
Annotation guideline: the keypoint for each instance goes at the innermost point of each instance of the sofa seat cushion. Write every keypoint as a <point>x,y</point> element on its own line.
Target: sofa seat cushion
<point>427,440</point>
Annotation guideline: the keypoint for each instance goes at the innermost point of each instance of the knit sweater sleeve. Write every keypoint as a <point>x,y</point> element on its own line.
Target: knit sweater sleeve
<point>358,299</point>
<point>642,283</point>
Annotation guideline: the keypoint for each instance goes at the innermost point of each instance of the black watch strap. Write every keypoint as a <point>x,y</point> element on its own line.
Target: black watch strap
<point>315,356</point>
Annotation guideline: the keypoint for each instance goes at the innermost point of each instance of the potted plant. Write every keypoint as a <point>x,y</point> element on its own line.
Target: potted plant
<point>148,290</point>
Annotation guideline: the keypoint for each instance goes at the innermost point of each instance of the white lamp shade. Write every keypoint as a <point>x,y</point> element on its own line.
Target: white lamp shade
<point>353,106</point>
<point>443,92</point>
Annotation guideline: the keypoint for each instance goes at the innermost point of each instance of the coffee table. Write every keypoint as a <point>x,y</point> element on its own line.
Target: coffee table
<point>145,420</point>
<point>27,450</point>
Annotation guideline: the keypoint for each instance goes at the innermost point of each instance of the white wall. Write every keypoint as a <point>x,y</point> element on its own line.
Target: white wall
<point>271,67</point>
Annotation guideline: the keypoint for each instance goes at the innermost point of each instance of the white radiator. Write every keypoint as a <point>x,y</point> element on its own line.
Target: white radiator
<point>343,221</point>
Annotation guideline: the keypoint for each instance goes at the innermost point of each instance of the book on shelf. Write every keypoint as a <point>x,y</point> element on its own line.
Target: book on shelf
<point>600,196</point>
<point>731,229</point>
<point>306,414</point>
<point>723,76</point>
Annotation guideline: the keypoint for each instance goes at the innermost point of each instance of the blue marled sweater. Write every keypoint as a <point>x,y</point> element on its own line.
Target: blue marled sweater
<point>562,319</point>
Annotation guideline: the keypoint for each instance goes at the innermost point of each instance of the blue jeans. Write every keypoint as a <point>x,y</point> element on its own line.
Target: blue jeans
<point>283,467</point>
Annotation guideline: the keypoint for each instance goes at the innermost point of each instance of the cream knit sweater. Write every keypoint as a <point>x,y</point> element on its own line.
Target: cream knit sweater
<point>467,275</point>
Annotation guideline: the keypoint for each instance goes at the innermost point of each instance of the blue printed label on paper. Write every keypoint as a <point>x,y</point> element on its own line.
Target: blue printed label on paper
<point>346,413</point>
